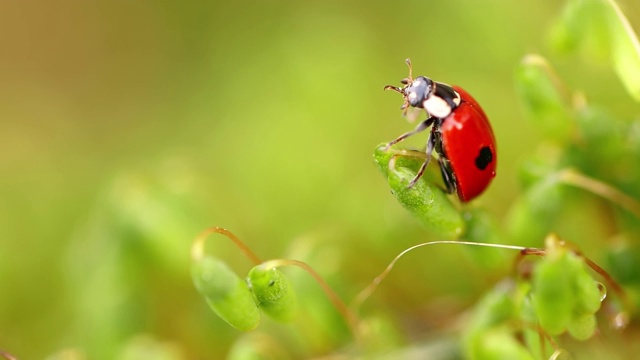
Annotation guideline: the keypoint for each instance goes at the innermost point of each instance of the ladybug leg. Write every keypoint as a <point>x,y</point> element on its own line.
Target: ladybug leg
<point>447,175</point>
<point>431,143</point>
<point>421,127</point>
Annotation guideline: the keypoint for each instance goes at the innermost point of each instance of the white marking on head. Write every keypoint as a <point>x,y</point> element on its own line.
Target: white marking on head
<point>417,82</point>
<point>412,96</point>
<point>456,100</point>
<point>436,106</point>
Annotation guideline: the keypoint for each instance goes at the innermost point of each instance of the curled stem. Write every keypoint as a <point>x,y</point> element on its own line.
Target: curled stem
<point>364,294</point>
<point>524,251</point>
<point>345,312</point>
<point>197,250</point>
<point>575,178</point>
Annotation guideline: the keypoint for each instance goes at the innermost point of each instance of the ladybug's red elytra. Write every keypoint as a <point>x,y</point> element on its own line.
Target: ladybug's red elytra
<point>460,134</point>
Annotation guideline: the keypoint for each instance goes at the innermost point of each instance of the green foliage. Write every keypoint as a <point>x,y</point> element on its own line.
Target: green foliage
<point>543,100</point>
<point>227,294</point>
<point>120,143</point>
<point>488,336</point>
<point>499,343</point>
<point>238,301</point>
<point>535,213</point>
<point>561,296</point>
<point>603,32</point>
<point>482,228</point>
<point>425,201</point>
<point>257,346</point>
<point>273,293</point>
<point>624,262</point>
<point>565,296</point>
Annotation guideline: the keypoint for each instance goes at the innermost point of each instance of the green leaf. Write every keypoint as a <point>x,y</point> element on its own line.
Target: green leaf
<point>272,292</point>
<point>600,28</point>
<point>481,227</point>
<point>226,293</point>
<point>538,166</point>
<point>588,295</point>
<point>499,343</point>
<point>533,214</point>
<point>494,311</point>
<point>547,107</point>
<point>625,49</point>
<point>581,27</point>
<point>259,346</point>
<point>582,327</point>
<point>624,262</point>
<point>497,307</point>
<point>427,202</point>
<point>553,295</point>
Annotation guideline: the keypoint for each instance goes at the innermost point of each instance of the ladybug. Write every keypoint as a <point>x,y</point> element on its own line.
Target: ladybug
<point>460,134</point>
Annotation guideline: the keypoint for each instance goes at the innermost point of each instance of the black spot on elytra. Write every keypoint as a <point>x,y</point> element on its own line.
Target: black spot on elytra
<point>484,158</point>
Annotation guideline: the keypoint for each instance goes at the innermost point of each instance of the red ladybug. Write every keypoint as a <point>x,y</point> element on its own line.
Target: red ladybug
<point>460,134</point>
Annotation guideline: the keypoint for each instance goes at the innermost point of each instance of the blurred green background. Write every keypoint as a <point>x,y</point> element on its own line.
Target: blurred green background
<point>127,127</point>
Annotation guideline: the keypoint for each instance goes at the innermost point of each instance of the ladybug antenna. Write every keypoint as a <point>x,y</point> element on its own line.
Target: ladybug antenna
<point>406,81</point>
<point>410,78</point>
<point>405,105</point>
<point>394,88</point>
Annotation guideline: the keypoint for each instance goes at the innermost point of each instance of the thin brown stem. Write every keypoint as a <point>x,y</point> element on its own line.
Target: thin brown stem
<point>197,250</point>
<point>575,178</point>
<point>609,280</point>
<point>350,318</point>
<point>364,294</point>
<point>543,335</point>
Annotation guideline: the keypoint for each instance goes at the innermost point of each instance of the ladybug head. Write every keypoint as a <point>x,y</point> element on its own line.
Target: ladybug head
<point>414,91</point>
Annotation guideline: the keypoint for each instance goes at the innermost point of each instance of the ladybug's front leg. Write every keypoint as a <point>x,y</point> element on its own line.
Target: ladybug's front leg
<point>421,126</point>
<point>431,143</point>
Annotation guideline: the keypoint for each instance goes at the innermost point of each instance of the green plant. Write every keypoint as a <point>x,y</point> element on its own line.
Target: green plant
<point>589,158</point>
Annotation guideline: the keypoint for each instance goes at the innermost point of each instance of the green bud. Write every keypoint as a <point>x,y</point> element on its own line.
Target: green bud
<point>553,293</point>
<point>226,293</point>
<point>582,327</point>
<point>588,294</point>
<point>272,292</point>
